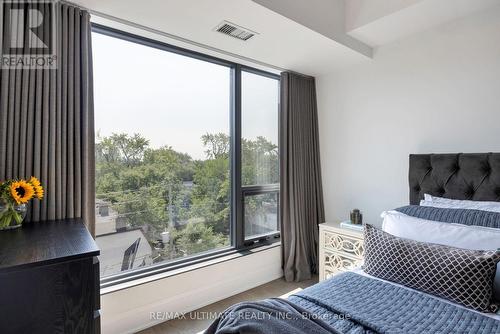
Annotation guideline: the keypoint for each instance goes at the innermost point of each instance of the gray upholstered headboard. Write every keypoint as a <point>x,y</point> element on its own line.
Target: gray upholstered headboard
<point>473,176</point>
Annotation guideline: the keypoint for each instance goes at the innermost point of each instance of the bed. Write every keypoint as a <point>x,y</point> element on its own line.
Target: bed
<point>382,297</point>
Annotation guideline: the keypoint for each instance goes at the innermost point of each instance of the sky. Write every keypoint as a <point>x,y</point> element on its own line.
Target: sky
<point>172,99</point>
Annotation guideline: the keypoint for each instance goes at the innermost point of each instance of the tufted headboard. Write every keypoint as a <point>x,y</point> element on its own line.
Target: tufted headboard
<point>472,176</point>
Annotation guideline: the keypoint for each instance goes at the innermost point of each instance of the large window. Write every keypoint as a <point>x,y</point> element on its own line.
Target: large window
<point>187,160</point>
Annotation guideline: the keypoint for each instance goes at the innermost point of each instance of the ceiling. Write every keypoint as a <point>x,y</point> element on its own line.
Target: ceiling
<point>281,42</point>
<point>312,37</point>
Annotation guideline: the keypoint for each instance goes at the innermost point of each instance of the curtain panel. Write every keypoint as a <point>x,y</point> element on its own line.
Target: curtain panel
<point>47,117</point>
<point>301,196</point>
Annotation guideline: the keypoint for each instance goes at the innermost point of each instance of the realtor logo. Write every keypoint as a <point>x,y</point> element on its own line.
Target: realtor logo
<point>28,34</point>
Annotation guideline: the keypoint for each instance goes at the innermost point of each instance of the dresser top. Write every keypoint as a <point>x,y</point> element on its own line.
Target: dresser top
<point>43,243</point>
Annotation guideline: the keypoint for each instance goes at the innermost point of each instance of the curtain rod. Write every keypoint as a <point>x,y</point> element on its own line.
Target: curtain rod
<point>174,37</point>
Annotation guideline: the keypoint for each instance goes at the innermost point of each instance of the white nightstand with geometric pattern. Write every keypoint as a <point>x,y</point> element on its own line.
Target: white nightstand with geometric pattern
<point>340,249</point>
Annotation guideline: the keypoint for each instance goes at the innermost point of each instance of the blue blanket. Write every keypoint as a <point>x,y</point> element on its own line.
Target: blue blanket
<point>376,306</point>
<point>350,303</point>
<point>267,317</point>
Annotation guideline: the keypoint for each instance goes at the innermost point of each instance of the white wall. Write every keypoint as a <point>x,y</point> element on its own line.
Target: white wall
<point>129,310</point>
<point>438,91</point>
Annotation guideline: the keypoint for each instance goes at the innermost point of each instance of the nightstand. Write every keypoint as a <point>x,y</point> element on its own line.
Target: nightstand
<point>340,249</point>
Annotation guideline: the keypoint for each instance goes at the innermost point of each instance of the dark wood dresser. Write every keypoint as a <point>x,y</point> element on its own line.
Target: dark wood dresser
<point>49,279</point>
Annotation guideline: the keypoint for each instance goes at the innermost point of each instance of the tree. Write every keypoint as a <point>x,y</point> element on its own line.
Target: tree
<point>211,191</point>
<point>123,148</point>
<point>217,145</point>
<point>136,179</point>
<point>259,162</point>
<point>196,238</point>
<point>151,188</point>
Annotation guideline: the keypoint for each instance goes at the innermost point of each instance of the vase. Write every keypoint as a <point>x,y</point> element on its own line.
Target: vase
<point>11,215</point>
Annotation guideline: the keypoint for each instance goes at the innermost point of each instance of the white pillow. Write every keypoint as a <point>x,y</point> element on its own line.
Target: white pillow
<point>449,234</point>
<point>440,202</point>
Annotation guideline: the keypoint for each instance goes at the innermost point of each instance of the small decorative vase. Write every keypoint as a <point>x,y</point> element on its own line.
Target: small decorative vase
<point>11,215</point>
<point>356,217</point>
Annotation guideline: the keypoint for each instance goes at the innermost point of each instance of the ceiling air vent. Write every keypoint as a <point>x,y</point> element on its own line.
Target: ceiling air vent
<point>233,30</point>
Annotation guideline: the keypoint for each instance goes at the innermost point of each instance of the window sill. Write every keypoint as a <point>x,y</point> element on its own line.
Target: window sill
<point>169,271</point>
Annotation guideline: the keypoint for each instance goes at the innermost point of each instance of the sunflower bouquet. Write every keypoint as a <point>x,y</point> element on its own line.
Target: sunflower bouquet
<point>14,195</point>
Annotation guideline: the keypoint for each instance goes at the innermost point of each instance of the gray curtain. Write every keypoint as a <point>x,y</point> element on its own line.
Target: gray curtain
<point>301,196</point>
<point>47,120</point>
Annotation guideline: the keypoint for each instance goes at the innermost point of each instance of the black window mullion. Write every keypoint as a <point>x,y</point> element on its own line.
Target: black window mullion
<point>237,199</point>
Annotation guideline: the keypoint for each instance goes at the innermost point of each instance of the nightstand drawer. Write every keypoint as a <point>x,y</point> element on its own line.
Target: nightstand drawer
<point>342,243</point>
<point>336,262</point>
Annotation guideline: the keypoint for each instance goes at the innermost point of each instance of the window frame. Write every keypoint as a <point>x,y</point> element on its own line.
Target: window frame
<point>261,190</point>
<point>238,192</point>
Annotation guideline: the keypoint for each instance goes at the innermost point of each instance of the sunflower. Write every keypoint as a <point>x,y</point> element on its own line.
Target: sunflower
<point>37,186</point>
<point>21,191</point>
